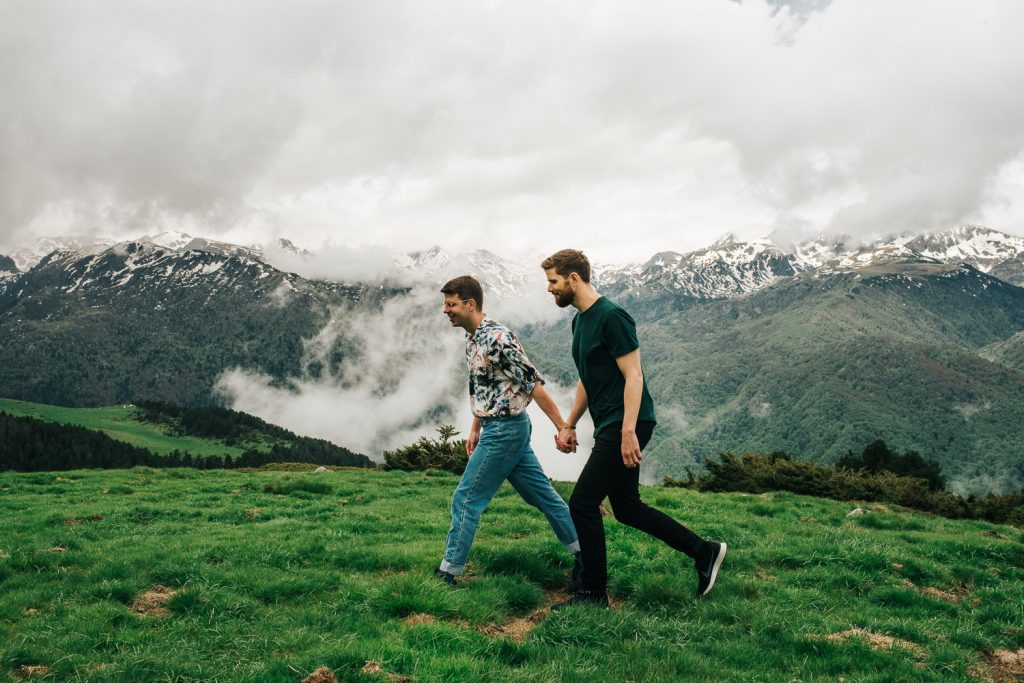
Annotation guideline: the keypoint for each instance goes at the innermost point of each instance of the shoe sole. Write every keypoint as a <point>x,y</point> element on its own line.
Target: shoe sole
<point>714,569</point>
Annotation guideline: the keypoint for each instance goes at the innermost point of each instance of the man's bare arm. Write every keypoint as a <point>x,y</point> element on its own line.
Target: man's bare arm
<point>474,436</point>
<point>629,366</point>
<point>566,438</point>
<point>547,404</point>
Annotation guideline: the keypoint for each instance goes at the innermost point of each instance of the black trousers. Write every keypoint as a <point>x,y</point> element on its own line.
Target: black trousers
<point>605,475</point>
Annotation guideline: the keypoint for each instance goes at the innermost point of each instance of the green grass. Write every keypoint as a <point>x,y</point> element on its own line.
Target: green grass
<point>117,423</point>
<point>279,573</point>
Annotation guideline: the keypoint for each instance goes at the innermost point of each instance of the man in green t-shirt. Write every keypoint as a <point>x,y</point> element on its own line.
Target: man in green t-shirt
<point>612,385</point>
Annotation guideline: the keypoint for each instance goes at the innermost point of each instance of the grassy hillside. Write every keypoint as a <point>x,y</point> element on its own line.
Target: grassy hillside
<point>118,423</point>
<point>39,438</point>
<point>266,576</point>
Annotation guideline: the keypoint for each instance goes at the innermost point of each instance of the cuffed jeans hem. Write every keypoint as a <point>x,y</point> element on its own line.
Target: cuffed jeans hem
<point>573,547</point>
<point>451,568</point>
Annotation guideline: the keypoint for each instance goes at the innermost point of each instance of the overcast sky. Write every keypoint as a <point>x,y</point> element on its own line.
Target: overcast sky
<point>624,128</point>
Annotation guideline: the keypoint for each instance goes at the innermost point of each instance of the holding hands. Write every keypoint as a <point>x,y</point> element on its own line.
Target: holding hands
<point>565,439</point>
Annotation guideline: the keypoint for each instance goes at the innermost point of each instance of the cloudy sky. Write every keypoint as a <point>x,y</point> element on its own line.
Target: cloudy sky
<point>624,128</point>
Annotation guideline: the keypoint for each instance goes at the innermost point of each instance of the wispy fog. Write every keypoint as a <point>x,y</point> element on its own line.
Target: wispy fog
<point>408,378</point>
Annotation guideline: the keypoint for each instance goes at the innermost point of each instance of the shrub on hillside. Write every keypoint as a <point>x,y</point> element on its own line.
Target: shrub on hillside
<point>878,457</point>
<point>760,472</point>
<point>438,454</point>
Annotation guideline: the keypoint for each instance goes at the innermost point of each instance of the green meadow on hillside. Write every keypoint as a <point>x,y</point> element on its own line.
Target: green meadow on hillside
<point>181,575</point>
<point>118,422</point>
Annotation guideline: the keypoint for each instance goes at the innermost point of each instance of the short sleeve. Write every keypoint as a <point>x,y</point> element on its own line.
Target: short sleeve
<point>506,352</point>
<point>519,368</point>
<point>619,333</point>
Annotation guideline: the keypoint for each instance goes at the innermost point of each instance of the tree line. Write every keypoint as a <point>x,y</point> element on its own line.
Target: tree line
<point>31,445</point>
<point>210,422</point>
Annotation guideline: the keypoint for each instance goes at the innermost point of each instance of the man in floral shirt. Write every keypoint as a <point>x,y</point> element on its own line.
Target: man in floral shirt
<point>502,382</point>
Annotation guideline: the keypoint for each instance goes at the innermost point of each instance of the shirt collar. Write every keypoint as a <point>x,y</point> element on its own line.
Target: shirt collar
<point>486,322</point>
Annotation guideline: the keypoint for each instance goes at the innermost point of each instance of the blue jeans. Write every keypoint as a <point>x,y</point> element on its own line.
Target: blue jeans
<point>503,452</point>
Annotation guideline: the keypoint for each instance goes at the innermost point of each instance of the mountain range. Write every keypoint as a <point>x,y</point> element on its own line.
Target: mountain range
<point>137,320</point>
<point>813,348</point>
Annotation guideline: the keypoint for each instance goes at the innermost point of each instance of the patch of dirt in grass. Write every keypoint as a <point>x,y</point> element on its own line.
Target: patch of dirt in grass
<point>24,671</point>
<point>762,575</point>
<point>58,549</point>
<point>952,597</point>
<point>875,640</point>
<point>417,619</point>
<point>3,554</point>
<point>322,675</point>
<point>1004,666</point>
<point>31,610</point>
<point>374,667</point>
<point>253,513</point>
<point>75,521</point>
<point>808,520</point>
<point>995,534</point>
<point>151,603</point>
<point>517,629</point>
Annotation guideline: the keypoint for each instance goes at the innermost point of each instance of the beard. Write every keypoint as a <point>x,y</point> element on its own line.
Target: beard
<point>563,298</point>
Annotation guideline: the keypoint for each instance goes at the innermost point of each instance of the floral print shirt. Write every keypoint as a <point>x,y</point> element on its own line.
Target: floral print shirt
<point>501,377</point>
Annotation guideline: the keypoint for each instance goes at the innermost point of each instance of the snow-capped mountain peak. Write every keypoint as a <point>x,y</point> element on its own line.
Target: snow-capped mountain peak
<point>171,239</point>
<point>981,247</point>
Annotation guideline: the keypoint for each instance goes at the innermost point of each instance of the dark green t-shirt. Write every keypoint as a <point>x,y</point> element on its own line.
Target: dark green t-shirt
<point>601,334</point>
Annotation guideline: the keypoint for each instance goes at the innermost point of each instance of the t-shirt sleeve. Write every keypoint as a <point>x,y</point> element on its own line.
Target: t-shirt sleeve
<point>619,332</point>
<point>511,359</point>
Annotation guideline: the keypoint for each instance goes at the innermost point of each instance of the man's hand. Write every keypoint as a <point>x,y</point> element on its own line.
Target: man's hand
<point>631,455</point>
<point>472,441</point>
<point>565,440</point>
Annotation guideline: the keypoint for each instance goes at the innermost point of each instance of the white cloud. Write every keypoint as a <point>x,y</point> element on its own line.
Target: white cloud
<point>339,262</point>
<point>623,128</point>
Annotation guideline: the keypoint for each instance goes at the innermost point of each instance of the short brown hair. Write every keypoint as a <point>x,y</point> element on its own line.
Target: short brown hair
<point>465,287</point>
<point>568,261</point>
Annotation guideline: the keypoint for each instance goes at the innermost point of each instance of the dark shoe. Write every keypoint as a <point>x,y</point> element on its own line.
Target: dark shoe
<point>584,597</point>
<point>708,565</point>
<point>445,576</point>
<point>575,581</point>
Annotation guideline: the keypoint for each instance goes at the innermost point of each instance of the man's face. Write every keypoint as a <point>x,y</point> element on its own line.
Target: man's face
<point>560,287</point>
<point>457,310</point>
